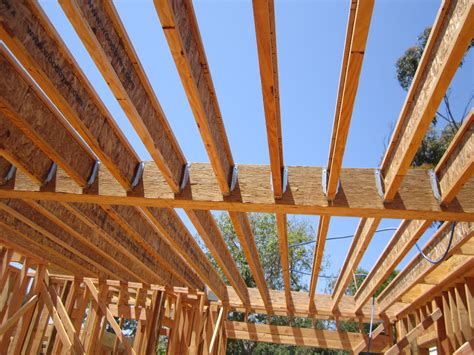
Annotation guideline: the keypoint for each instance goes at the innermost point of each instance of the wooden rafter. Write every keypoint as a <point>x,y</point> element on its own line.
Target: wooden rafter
<point>417,269</point>
<point>182,33</point>
<point>360,15</point>
<point>31,37</point>
<point>411,230</point>
<point>300,336</point>
<point>264,18</point>
<point>448,41</point>
<point>137,98</point>
<point>411,336</point>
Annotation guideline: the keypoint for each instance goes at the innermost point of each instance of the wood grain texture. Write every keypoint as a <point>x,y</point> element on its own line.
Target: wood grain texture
<point>176,233</point>
<point>457,163</point>
<point>417,269</point>
<point>19,149</point>
<point>460,158</point>
<point>100,29</point>
<point>323,227</point>
<point>448,41</point>
<point>300,336</point>
<point>322,309</point>
<point>360,16</point>
<point>35,43</point>
<point>415,332</point>
<point>179,24</point>
<point>358,196</point>
<point>401,243</point>
<point>32,113</point>
<point>264,18</point>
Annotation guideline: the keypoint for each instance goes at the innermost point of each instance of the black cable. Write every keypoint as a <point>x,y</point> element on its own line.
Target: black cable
<point>340,237</point>
<point>442,257</point>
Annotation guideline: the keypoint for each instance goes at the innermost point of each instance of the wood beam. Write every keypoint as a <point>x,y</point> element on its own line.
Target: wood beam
<point>30,36</point>
<point>415,332</point>
<point>365,343</point>
<point>212,236</point>
<point>244,233</point>
<point>17,148</point>
<point>182,33</point>
<point>417,269</point>
<point>300,336</point>
<point>61,320</point>
<point>102,32</point>
<point>358,196</point>
<point>322,309</point>
<point>180,26</point>
<point>358,24</point>
<point>18,214</point>
<point>357,33</point>
<point>47,140</point>
<point>448,41</point>
<point>363,236</point>
<point>264,18</point>
<point>217,330</point>
<point>12,321</point>
<point>323,228</point>
<point>114,55</point>
<point>32,113</point>
<point>171,226</point>
<point>446,275</point>
<point>460,157</point>
<point>466,349</point>
<point>110,318</point>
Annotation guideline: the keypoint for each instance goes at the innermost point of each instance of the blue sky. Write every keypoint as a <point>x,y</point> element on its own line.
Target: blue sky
<point>310,40</point>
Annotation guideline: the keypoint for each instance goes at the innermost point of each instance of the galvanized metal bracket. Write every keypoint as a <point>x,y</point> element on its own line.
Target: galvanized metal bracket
<point>138,174</point>
<point>10,173</point>
<point>434,185</point>
<point>185,178</point>
<point>325,181</point>
<point>51,172</point>
<point>285,179</point>
<point>94,173</point>
<point>379,182</point>
<point>233,181</point>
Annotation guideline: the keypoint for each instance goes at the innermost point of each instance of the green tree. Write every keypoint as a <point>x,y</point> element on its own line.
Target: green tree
<point>300,258</point>
<point>437,139</point>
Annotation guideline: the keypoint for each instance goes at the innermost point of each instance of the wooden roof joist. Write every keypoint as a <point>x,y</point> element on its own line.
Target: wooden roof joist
<point>418,268</point>
<point>448,41</point>
<point>179,24</point>
<point>322,309</point>
<point>47,141</point>
<point>30,36</point>
<point>301,336</point>
<point>451,177</point>
<point>358,197</point>
<point>117,61</point>
<point>360,14</point>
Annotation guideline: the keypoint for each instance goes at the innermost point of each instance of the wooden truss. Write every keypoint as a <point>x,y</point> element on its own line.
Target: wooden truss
<point>90,238</point>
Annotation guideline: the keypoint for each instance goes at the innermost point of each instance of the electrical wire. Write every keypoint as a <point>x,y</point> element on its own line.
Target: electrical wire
<point>341,237</point>
<point>442,257</point>
<point>371,324</point>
